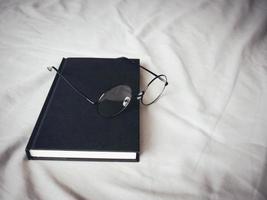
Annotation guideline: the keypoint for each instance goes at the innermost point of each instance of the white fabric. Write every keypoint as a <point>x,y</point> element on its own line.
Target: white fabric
<point>206,138</point>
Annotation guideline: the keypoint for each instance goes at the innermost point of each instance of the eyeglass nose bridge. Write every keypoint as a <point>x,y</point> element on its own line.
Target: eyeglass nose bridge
<point>139,95</point>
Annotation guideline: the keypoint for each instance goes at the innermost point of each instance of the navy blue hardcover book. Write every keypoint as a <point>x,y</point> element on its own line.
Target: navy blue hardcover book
<point>70,128</point>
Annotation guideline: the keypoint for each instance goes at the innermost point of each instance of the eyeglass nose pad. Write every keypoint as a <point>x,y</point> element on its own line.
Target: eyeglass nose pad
<point>126,101</point>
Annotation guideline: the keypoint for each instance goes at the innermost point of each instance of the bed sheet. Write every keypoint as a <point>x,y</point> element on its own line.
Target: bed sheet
<point>206,138</point>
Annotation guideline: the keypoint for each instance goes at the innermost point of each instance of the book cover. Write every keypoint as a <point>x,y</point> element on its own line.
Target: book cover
<point>69,127</point>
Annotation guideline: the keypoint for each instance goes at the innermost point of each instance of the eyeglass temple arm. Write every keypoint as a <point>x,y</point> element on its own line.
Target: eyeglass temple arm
<point>160,78</point>
<point>69,83</point>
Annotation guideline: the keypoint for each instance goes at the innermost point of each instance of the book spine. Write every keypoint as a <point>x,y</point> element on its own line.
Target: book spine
<point>43,112</point>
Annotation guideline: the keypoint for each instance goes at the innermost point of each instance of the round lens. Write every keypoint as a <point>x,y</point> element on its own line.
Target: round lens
<point>115,100</point>
<point>154,90</point>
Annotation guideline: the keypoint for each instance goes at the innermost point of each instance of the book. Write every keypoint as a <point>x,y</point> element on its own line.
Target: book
<point>70,128</point>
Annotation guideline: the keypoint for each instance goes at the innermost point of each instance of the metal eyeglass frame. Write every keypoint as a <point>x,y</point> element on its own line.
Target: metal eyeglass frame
<point>139,96</point>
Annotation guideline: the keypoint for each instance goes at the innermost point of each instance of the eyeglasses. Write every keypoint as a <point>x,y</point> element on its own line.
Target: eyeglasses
<point>115,100</point>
